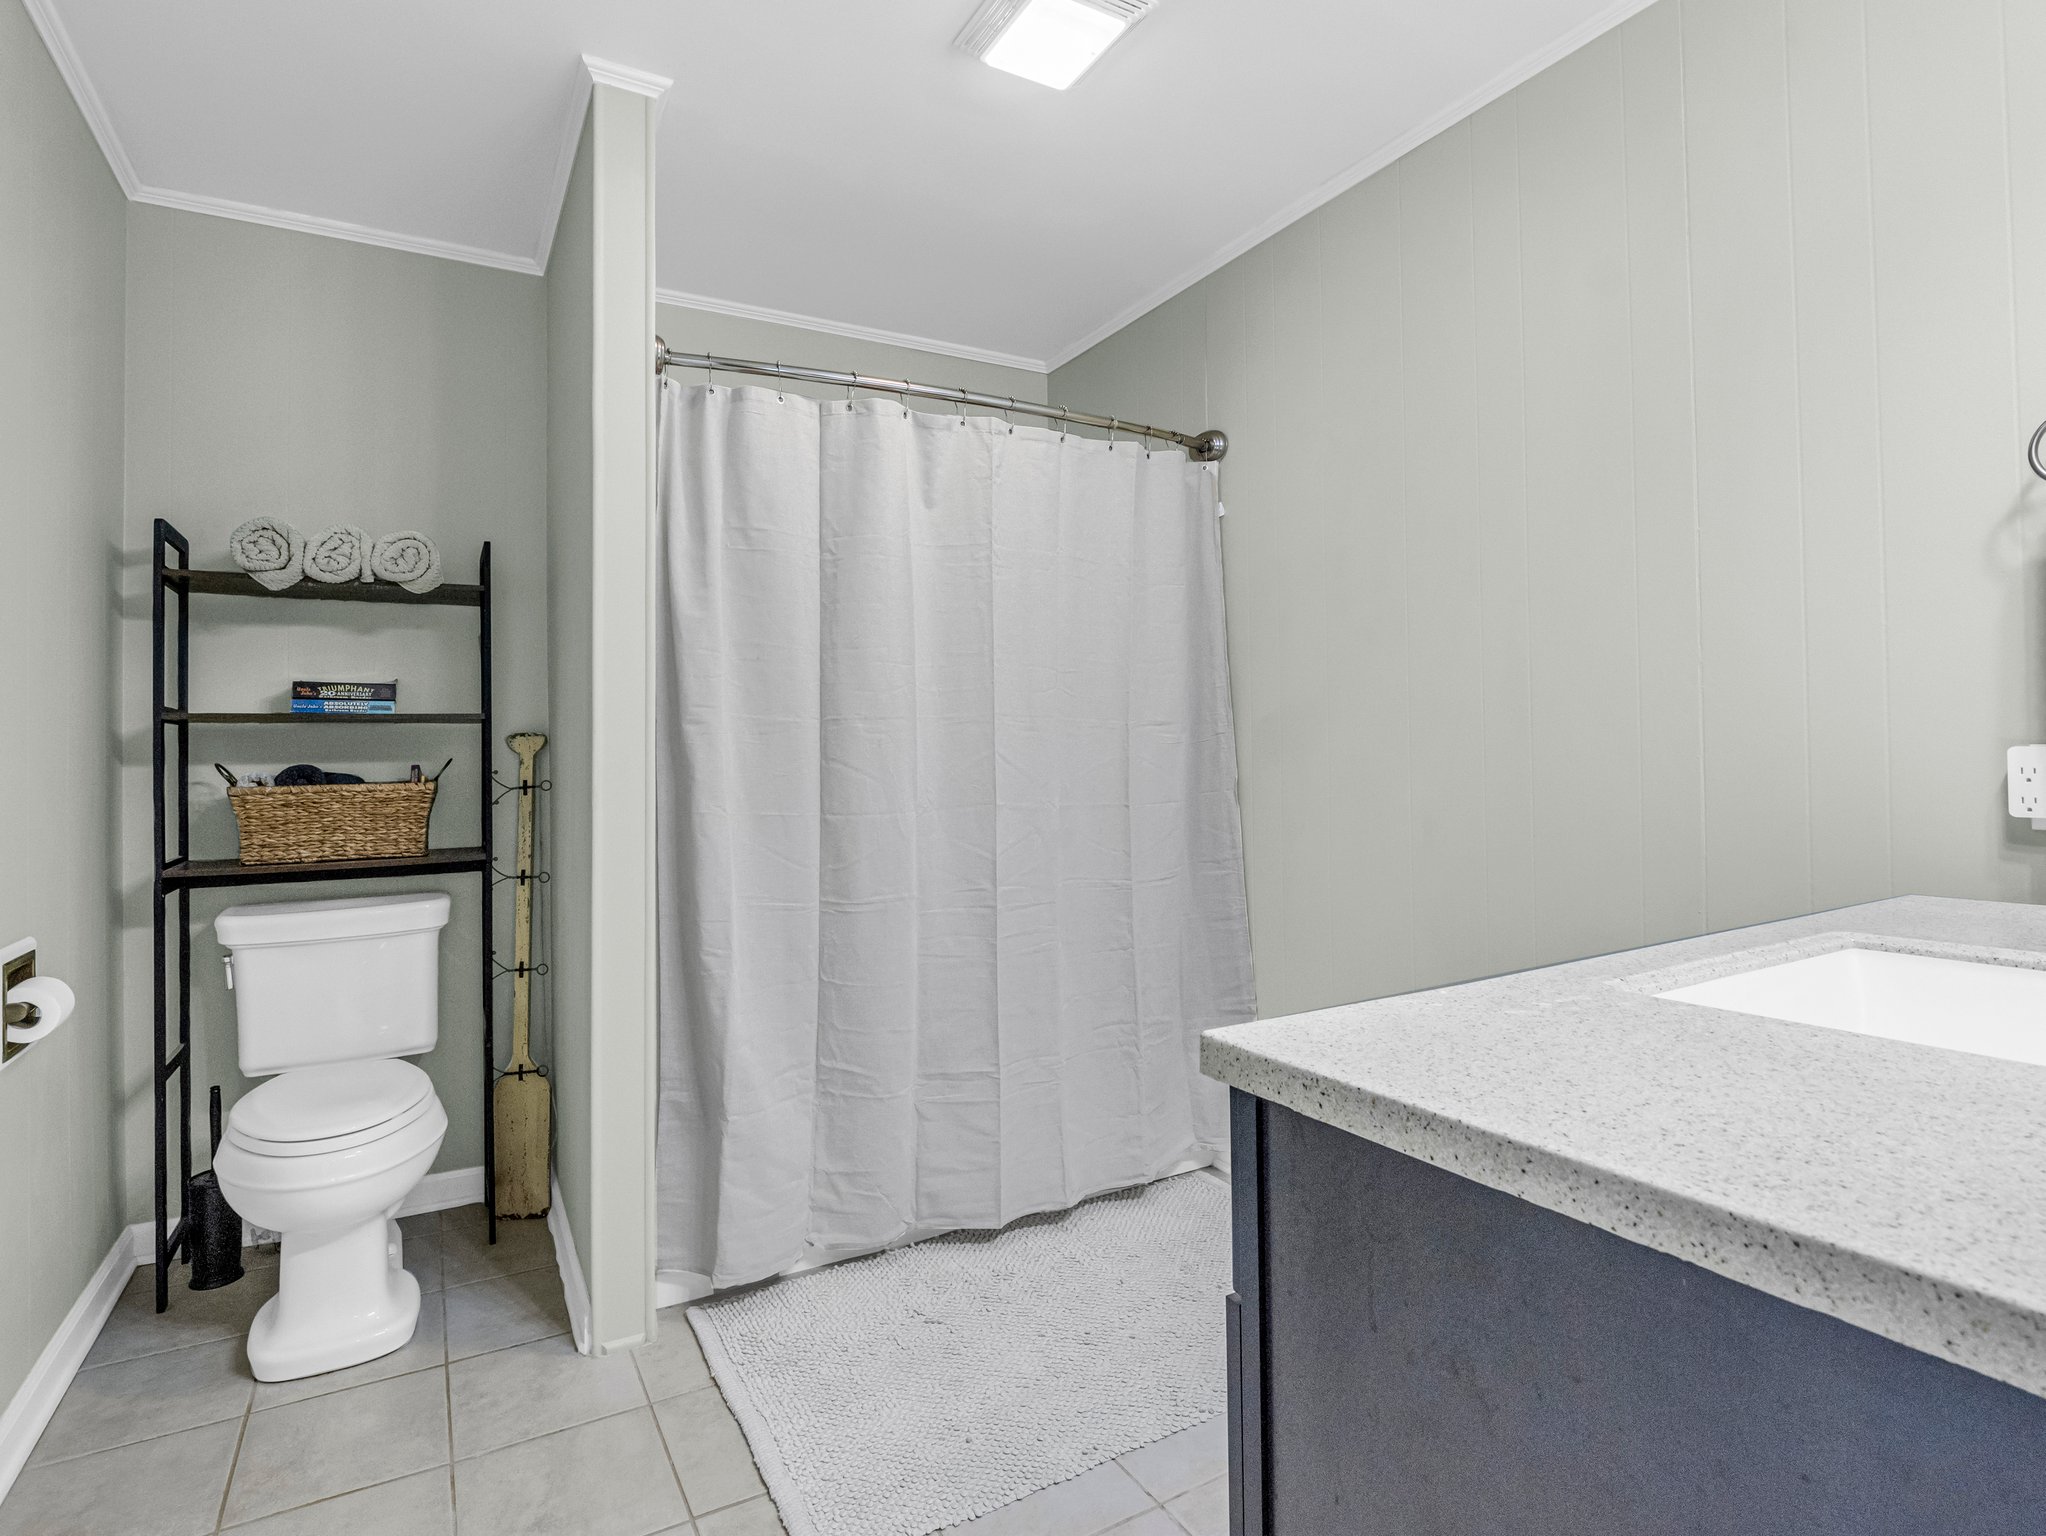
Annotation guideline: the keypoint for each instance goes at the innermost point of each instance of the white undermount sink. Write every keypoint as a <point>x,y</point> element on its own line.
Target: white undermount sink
<point>1961,1005</point>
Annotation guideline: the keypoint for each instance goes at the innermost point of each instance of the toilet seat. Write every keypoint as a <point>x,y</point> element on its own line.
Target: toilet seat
<point>317,1110</point>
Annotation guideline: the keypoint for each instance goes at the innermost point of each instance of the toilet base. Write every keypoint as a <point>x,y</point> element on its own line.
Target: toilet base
<point>342,1298</point>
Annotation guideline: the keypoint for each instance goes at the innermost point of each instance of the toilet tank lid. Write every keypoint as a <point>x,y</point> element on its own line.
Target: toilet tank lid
<point>309,922</point>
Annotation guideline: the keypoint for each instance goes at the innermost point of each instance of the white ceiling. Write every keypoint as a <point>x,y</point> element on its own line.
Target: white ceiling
<point>828,161</point>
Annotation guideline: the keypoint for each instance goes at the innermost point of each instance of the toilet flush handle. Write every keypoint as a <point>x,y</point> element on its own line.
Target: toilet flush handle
<point>227,960</point>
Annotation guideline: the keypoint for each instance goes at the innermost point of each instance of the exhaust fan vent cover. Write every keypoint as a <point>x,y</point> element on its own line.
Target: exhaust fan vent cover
<point>994,16</point>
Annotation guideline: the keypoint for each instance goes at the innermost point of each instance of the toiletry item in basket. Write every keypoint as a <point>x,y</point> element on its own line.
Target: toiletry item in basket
<point>299,774</point>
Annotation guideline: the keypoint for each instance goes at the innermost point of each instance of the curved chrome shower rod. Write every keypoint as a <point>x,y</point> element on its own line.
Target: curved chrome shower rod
<point>1203,447</point>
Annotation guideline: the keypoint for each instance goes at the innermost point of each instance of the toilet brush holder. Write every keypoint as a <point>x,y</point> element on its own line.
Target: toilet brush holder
<point>216,1231</point>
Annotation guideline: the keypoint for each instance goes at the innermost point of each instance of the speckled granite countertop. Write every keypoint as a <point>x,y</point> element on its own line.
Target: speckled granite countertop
<point>1900,1187</point>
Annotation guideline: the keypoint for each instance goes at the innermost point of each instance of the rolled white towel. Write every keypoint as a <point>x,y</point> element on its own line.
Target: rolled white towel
<point>335,554</point>
<point>410,559</point>
<point>270,550</point>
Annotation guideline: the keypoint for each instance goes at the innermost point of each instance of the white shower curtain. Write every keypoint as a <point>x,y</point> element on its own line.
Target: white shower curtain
<point>950,865</point>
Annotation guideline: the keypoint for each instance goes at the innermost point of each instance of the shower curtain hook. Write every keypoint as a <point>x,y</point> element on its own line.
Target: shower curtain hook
<point>1008,415</point>
<point>779,394</point>
<point>962,407</point>
<point>1065,419</point>
<point>848,392</point>
<point>710,383</point>
<point>1112,425</point>
<point>902,400</point>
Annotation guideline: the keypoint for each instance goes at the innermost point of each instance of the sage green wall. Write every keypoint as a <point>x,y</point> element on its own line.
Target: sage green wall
<point>1627,532</point>
<point>60,562</point>
<point>566,813</point>
<point>715,335</point>
<point>326,381</point>
<point>600,519</point>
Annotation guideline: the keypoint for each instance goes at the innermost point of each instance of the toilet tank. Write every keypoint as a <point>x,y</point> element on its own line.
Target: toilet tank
<point>318,982</point>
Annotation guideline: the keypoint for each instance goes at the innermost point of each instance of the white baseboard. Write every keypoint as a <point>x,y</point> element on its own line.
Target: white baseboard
<point>24,1418</point>
<point>22,1424</point>
<point>444,1191</point>
<point>673,1287</point>
<point>574,1291</point>
<point>435,1192</point>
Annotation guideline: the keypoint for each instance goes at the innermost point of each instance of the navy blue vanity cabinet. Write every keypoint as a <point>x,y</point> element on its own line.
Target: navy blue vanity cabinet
<point>1415,1354</point>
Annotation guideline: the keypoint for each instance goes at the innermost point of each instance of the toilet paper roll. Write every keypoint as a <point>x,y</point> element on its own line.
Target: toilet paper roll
<point>51,997</point>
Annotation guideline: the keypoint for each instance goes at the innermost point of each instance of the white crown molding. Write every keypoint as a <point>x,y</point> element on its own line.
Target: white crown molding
<point>594,72</point>
<point>1518,74</point>
<point>626,78</point>
<point>338,229</point>
<point>570,139</point>
<point>642,82</point>
<point>852,332</point>
<point>90,107</point>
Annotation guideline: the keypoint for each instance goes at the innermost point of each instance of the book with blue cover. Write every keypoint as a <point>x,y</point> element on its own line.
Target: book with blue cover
<point>345,692</point>
<point>344,706</point>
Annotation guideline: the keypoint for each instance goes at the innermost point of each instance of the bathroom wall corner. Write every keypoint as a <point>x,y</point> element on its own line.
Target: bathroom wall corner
<point>62,282</point>
<point>601,412</point>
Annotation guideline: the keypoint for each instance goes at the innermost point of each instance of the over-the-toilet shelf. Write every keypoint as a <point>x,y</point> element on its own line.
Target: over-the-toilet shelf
<point>178,873</point>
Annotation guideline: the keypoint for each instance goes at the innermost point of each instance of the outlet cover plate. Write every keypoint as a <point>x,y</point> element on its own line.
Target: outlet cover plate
<point>2025,778</point>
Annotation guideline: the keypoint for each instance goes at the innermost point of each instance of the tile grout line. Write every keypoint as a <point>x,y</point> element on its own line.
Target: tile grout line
<point>447,1381</point>
<point>447,1364</point>
<point>325,1498</point>
<point>689,1508</point>
<point>234,1462</point>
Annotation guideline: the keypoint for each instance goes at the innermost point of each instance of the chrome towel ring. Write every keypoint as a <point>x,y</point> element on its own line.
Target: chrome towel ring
<point>2032,453</point>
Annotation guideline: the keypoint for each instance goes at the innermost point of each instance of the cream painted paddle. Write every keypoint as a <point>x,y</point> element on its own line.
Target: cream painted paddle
<point>519,1100</point>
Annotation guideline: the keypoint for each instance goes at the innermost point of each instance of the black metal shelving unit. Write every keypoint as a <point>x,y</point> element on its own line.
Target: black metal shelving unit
<point>178,873</point>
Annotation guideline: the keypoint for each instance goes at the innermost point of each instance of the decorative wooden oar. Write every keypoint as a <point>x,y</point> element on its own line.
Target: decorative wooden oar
<point>520,1099</point>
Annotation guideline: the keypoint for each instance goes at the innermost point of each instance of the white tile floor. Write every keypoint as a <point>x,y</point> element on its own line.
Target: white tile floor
<point>1177,1487</point>
<point>487,1424</point>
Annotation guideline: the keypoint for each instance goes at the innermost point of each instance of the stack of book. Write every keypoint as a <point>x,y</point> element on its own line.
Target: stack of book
<point>344,698</point>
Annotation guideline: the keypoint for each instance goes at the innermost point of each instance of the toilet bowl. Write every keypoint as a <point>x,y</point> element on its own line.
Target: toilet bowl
<point>329,997</point>
<point>324,1156</point>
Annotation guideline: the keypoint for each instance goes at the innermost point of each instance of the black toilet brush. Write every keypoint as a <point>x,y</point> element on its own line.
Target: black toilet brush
<point>216,1231</point>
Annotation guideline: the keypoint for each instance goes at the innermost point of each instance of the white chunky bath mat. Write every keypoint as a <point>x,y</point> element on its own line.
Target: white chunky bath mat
<point>898,1395</point>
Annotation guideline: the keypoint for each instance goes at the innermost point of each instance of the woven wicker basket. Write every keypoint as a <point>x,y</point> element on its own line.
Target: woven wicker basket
<point>307,823</point>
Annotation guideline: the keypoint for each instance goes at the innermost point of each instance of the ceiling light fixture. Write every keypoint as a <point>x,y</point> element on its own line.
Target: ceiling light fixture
<point>1053,42</point>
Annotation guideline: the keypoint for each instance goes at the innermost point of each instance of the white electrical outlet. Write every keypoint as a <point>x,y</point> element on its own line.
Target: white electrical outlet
<point>2025,769</point>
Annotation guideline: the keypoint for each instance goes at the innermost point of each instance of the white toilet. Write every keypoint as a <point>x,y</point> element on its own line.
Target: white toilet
<point>328,996</point>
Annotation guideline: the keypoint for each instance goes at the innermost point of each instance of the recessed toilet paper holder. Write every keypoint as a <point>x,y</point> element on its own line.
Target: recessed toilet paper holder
<point>30,1005</point>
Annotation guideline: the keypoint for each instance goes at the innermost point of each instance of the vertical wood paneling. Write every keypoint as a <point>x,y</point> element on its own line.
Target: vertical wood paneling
<point>1580,499</point>
<point>1506,806</point>
<point>1943,304</point>
<point>1840,437</point>
<point>1665,477</point>
<point>1445,600</point>
<point>1628,535</point>
<point>1757,826</point>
